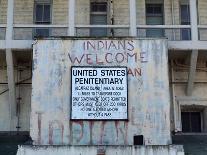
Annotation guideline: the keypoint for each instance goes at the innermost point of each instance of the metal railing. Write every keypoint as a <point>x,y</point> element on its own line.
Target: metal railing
<point>31,31</point>
<point>172,32</point>
<point>105,30</point>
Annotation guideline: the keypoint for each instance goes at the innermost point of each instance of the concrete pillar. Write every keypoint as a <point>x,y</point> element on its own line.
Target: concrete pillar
<point>194,19</point>
<point>71,17</point>
<point>192,72</point>
<point>9,28</point>
<point>11,82</point>
<point>10,64</point>
<point>133,26</point>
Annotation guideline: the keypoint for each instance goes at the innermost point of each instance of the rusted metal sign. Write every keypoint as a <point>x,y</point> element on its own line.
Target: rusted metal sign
<point>99,93</point>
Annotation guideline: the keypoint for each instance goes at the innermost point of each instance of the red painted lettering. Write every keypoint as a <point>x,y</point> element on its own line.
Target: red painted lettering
<point>132,55</point>
<point>107,59</point>
<point>75,59</point>
<point>98,61</point>
<point>119,57</point>
<point>88,59</point>
<point>130,72</point>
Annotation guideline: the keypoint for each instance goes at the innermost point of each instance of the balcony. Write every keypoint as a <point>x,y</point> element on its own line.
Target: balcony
<point>120,23</point>
<point>178,35</point>
<point>171,32</point>
<point>30,32</point>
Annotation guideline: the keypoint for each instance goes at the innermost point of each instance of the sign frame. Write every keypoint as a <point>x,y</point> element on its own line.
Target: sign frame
<point>96,119</point>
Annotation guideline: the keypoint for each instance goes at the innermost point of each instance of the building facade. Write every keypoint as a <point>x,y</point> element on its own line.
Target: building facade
<point>182,22</point>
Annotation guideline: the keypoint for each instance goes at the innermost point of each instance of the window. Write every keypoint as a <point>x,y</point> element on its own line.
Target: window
<point>42,13</point>
<point>42,16</point>
<point>185,20</point>
<point>98,16</point>
<point>154,16</point>
<point>191,121</point>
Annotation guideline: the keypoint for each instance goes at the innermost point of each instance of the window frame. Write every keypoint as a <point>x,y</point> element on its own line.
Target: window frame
<point>104,13</point>
<point>151,15</point>
<point>157,14</point>
<point>182,37</point>
<point>42,2</point>
<point>189,110</point>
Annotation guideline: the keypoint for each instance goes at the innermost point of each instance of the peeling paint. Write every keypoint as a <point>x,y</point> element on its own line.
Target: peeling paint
<point>148,96</point>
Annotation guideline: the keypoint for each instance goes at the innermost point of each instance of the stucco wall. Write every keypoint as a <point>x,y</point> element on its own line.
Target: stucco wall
<point>148,106</point>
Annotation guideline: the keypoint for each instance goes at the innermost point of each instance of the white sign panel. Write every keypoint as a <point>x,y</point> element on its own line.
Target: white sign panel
<point>99,93</point>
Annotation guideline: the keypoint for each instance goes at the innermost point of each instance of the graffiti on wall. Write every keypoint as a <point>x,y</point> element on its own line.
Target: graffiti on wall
<point>148,92</point>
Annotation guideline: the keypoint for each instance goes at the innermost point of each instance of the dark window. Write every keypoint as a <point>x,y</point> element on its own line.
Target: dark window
<point>154,16</point>
<point>42,16</point>
<point>98,17</point>
<point>191,121</point>
<point>185,20</point>
<point>185,15</point>
<point>98,7</point>
<point>154,9</point>
<point>42,12</point>
<point>42,32</point>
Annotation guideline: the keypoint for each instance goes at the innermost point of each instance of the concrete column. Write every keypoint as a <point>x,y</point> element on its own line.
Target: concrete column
<point>192,72</point>
<point>133,26</point>
<point>194,19</point>
<point>9,28</point>
<point>11,82</point>
<point>194,54</point>
<point>205,120</point>
<point>10,64</point>
<point>71,17</point>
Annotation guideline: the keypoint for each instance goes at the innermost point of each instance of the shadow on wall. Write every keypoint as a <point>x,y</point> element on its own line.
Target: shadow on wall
<point>193,144</point>
<point>9,142</point>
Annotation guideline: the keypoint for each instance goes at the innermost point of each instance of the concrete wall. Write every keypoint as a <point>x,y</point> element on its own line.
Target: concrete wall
<point>4,105</point>
<point>24,92</point>
<point>202,15</point>
<point>149,104</point>
<point>3,11</point>
<point>121,16</point>
<point>23,11</point>
<point>82,17</point>
<point>121,12</point>
<point>198,98</point>
<point>60,12</point>
<point>23,14</point>
<point>202,12</point>
<point>105,150</point>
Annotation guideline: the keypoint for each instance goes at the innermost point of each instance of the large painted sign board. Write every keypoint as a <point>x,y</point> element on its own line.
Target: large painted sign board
<point>99,93</point>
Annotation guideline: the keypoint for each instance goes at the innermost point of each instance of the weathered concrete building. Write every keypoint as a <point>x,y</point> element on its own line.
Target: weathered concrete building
<point>167,83</point>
